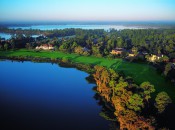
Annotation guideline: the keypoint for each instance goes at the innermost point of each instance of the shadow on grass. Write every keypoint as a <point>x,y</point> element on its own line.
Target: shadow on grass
<point>116,65</point>
<point>97,63</point>
<point>73,58</point>
<point>6,53</point>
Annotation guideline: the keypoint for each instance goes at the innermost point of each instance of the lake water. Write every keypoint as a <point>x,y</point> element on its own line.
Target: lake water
<point>5,35</point>
<point>8,36</point>
<point>105,27</point>
<point>52,27</point>
<point>46,96</point>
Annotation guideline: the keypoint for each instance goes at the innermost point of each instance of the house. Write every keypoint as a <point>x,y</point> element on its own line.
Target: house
<point>133,52</point>
<point>2,39</point>
<point>159,56</point>
<point>173,63</point>
<point>131,55</point>
<point>144,52</point>
<point>173,60</point>
<point>154,58</point>
<point>95,41</point>
<point>134,49</point>
<point>45,47</point>
<point>85,49</point>
<point>117,51</point>
<point>40,37</point>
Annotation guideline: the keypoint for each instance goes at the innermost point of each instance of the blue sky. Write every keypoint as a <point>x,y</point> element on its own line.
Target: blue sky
<point>87,10</point>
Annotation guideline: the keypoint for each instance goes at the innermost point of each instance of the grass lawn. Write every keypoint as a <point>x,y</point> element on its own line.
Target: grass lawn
<point>139,72</point>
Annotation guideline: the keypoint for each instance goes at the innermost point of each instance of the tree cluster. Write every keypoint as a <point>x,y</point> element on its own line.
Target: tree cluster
<point>129,99</point>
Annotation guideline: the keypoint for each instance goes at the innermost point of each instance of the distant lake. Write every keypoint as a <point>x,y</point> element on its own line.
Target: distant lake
<point>105,27</point>
<point>8,36</point>
<point>5,35</point>
<point>47,96</point>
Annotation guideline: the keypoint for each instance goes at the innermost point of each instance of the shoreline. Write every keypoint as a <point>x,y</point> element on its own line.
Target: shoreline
<point>139,72</point>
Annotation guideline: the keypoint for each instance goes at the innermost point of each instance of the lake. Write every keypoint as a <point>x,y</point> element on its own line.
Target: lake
<point>105,27</point>
<point>5,35</point>
<point>47,96</point>
<point>60,27</point>
<point>8,36</point>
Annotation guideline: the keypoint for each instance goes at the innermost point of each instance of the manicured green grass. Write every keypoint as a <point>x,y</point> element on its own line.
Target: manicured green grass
<point>139,72</point>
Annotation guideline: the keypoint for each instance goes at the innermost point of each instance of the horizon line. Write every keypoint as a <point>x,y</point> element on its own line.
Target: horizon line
<point>87,21</point>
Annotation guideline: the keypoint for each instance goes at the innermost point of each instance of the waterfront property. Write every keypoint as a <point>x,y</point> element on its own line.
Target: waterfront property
<point>45,47</point>
<point>139,72</point>
<point>154,58</point>
<point>117,51</point>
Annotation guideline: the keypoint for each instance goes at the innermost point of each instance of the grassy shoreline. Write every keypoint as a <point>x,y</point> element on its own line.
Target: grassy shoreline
<point>139,72</point>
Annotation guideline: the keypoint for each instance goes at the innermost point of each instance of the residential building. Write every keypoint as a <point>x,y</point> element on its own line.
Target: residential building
<point>117,51</point>
<point>45,47</point>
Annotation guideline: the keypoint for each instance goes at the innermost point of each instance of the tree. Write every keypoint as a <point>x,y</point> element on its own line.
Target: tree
<point>135,102</point>
<point>113,74</point>
<point>162,100</point>
<point>135,50</point>
<point>64,46</point>
<point>121,88</point>
<point>65,60</point>
<point>1,47</point>
<point>74,45</point>
<point>147,57</point>
<point>6,46</point>
<point>96,51</point>
<point>12,45</point>
<point>120,42</point>
<point>28,46</point>
<point>78,50</point>
<point>164,59</point>
<point>167,69</point>
<point>147,90</point>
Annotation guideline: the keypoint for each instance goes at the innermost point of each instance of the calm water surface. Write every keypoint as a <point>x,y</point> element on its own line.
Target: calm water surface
<point>5,35</point>
<point>60,27</point>
<point>46,96</point>
<point>105,27</point>
<point>9,36</point>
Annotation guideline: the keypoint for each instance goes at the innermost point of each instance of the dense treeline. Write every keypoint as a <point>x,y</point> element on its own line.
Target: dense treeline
<point>130,99</point>
<point>49,33</point>
<point>101,42</point>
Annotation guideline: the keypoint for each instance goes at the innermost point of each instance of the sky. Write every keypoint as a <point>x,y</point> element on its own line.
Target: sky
<point>87,10</point>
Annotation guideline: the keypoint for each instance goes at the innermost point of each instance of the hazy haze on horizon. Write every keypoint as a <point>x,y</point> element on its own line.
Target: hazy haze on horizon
<point>91,10</point>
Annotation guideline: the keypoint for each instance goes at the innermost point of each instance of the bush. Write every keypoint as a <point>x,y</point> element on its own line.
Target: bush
<point>65,59</point>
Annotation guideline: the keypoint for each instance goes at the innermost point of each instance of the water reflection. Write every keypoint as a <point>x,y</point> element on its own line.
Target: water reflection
<point>107,111</point>
<point>46,96</point>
